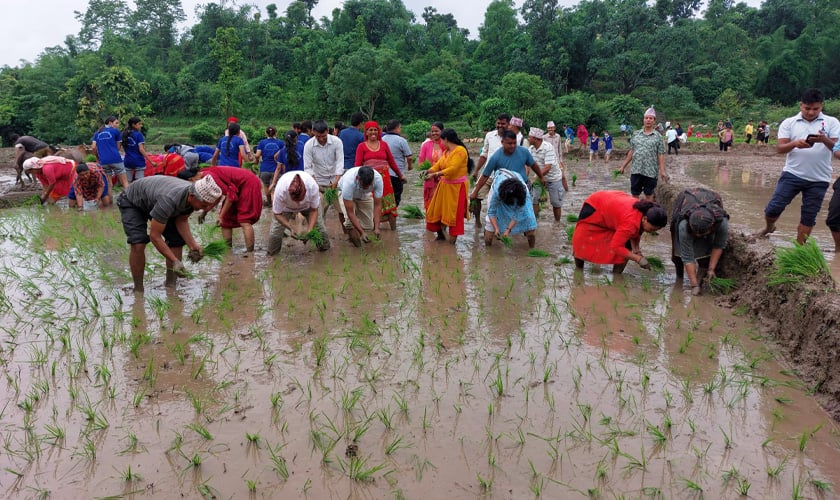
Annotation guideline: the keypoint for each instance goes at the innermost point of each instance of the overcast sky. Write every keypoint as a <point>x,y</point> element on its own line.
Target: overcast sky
<point>32,25</point>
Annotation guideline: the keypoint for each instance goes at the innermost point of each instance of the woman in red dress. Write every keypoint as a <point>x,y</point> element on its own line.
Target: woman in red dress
<point>56,175</point>
<point>375,153</point>
<point>608,221</point>
<point>243,201</point>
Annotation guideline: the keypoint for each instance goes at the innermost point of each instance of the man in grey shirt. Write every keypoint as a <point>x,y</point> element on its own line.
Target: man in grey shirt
<point>402,155</point>
<point>167,202</point>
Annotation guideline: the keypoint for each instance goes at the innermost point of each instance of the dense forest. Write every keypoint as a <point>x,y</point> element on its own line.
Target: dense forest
<point>599,62</point>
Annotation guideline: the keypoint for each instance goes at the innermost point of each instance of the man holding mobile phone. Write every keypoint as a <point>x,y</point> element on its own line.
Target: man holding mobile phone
<point>807,140</point>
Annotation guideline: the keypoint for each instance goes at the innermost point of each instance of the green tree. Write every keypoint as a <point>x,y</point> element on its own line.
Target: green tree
<point>729,104</point>
<point>100,18</point>
<point>155,22</point>
<point>364,80</point>
<point>112,91</point>
<point>524,92</point>
<point>225,50</point>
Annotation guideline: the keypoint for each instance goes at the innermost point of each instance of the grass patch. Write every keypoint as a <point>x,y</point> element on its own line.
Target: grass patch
<point>412,212</point>
<point>536,252</point>
<point>796,263</point>
<point>330,195</point>
<point>216,249</point>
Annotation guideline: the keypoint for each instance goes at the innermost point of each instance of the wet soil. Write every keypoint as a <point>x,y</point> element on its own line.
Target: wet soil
<point>406,368</point>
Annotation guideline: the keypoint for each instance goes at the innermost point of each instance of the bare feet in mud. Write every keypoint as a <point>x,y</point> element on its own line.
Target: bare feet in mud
<point>764,233</point>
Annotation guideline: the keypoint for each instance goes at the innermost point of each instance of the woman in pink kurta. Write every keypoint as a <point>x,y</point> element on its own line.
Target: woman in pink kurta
<point>56,175</point>
<point>243,203</point>
<point>431,150</point>
<point>583,135</point>
<point>608,221</point>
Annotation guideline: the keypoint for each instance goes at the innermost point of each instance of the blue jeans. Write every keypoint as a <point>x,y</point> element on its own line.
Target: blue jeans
<point>788,186</point>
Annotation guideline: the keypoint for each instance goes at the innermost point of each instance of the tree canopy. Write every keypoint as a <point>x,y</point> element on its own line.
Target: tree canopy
<point>607,58</point>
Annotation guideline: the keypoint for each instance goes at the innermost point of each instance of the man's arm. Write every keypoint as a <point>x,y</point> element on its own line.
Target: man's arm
<point>627,161</point>
<point>350,208</point>
<point>478,185</point>
<point>281,218</point>
<point>662,172</point>
<point>377,217</point>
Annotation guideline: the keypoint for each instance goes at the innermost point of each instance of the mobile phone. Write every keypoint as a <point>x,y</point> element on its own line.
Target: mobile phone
<point>812,138</point>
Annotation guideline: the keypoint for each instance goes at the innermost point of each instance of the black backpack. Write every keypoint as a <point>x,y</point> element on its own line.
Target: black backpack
<point>691,199</point>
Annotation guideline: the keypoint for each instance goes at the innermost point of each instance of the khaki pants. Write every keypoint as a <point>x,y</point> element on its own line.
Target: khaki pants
<point>278,231</point>
<point>364,212</point>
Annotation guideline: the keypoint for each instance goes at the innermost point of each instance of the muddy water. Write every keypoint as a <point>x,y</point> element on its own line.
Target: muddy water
<point>448,371</point>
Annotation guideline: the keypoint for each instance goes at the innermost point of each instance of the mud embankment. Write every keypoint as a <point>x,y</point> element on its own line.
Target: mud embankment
<point>803,318</point>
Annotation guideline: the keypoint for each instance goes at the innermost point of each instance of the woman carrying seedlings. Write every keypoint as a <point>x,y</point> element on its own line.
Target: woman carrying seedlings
<point>230,148</point>
<point>699,230</point>
<point>242,191</point>
<point>376,153</point>
<point>56,175</point>
<point>608,221</point>
<point>133,144</point>
<point>510,210</point>
<point>448,206</point>
<point>266,150</point>
<point>431,151</point>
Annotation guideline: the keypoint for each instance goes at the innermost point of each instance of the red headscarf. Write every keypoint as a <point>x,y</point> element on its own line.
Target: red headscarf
<point>373,124</point>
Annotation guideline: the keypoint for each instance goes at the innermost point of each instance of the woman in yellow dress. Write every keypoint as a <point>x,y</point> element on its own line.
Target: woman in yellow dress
<point>448,206</point>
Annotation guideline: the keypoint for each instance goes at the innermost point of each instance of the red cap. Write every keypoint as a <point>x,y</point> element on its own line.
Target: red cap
<point>232,119</point>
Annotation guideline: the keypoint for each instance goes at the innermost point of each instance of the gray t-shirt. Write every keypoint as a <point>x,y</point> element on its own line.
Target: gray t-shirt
<point>400,149</point>
<point>162,197</point>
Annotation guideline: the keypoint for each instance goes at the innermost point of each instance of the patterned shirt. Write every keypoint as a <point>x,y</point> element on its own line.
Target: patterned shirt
<point>86,186</point>
<point>646,150</point>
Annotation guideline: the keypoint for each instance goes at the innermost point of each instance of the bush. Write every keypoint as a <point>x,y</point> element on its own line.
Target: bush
<point>203,133</point>
<point>416,131</point>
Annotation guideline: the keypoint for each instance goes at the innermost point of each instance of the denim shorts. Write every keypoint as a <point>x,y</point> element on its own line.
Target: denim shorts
<point>641,183</point>
<point>788,186</point>
<point>113,168</point>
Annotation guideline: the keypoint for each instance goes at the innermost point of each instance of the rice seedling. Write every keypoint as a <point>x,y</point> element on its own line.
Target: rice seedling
<point>743,487</point>
<point>330,195</point>
<point>572,218</point>
<point>200,430</point>
<point>806,435</point>
<point>821,486</point>
<point>615,174</point>
<point>216,249</point>
<point>574,179</point>
<point>506,241</point>
<point>315,236</point>
<point>130,476</point>
<point>774,472</point>
<point>570,232</point>
<point>656,263</point>
<point>412,212</point>
<point>692,486</point>
<point>562,261</point>
<point>484,484</point>
<point>253,439</point>
<point>424,165</point>
<point>798,262</point>
<point>721,285</point>
<point>536,252</point>
<point>252,485</point>
<point>358,470</point>
<point>278,463</point>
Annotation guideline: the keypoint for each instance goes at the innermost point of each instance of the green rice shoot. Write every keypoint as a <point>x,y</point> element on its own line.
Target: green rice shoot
<point>722,285</point>
<point>315,236</point>
<point>506,241</point>
<point>799,262</point>
<point>90,159</point>
<point>215,249</point>
<point>330,195</point>
<point>424,165</point>
<point>536,252</point>
<point>412,212</point>
<point>570,232</point>
<point>615,174</point>
<point>574,180</point>
<point>572,218</point>
<point>656,263</point>
<point>562,261</point>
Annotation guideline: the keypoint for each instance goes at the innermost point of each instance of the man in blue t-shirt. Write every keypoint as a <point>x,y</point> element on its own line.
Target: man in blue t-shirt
<point>351,137</point>
<point>106,145</point>
<point>510,157</point>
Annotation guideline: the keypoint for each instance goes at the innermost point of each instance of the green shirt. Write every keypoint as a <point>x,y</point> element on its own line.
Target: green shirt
<point>646,150</point>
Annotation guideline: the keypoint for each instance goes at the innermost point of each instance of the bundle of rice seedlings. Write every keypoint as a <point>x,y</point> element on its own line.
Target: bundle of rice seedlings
<point>215,249</point>
<point>563,261</point>
<point>412,212</point>
<point>721,285</point>
<point>574,179</point>
<point>90,159</point>
<point>615,174</point>
<point>424,165</point>
<point>541,187</point>
<point>800,261</point>
<point>570,232</point>
<point>572,218</point>
<point>536,252</point>
<point>315,236</point>
<point>506,241</point>
<point>656,263</point>
<point>330,195</point>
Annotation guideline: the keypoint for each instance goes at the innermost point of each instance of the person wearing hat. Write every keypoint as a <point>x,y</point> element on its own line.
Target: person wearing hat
<point>608,221</point>
<point>516,124</point>
<point>556,140</point>
<point>56,175</point>
<point>242,190</point>
<point>167,202</point>
<point>699,231</point>
<point>552,170</point>
<point>91,184</point>
<point>647,152</point>
<point>296,193</point>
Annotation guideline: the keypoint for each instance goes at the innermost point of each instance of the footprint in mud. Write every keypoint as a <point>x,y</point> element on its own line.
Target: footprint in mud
<point>352,450</point>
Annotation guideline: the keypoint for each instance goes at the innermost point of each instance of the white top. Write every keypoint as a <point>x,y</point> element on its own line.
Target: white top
<point>324,162</point>
<point>350,189</point>
<point>493,141</point>
<point>670,135</point>
<point>545,155</point>
<point>814,163</point>
<point>283,201</point>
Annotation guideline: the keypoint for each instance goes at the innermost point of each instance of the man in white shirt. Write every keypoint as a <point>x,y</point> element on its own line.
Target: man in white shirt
<point>323,159</point>
<point>553,171</point>
<point>807,140</point>
<point>361,197</point>
<point>296,192</point>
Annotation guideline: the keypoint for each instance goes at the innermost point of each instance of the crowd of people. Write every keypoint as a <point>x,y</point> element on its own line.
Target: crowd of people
<point>360,171</point>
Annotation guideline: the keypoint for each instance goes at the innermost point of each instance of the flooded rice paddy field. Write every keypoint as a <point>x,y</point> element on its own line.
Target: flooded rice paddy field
<point>409,368</point>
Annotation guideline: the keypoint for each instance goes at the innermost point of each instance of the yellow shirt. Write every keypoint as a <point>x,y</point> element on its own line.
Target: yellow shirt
<point>748,129</point>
